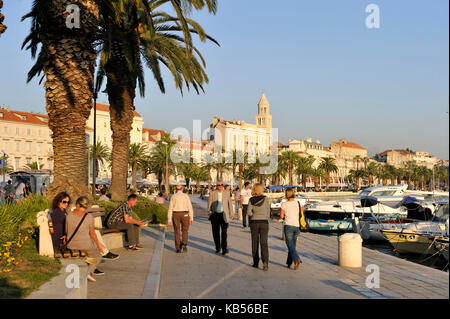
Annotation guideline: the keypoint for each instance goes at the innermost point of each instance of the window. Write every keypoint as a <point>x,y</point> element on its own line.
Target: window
<point>28,131</point>
<point>39,133</point>
<point>17,162</point>
<point>17,131</point>
<point>28,147</point>
<point>39,147</point>
<point>104,124</point>
<point>28,161</point>
<point>5,129</point>
<point>5,145</point>
<point>17,146</point>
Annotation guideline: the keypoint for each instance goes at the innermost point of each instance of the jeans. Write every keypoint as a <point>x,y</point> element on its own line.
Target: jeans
<point>244,215</point>
<point>291,233</point>
<point>260,233</point>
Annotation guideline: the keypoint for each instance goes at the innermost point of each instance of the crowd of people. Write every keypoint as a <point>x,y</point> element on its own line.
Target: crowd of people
<point>252,206</point>
<point>74,229</point>
<point>13,193</point>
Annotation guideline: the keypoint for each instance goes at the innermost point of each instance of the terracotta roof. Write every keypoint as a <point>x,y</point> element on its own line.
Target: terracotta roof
<point>404,152</point>
<point>151,133</point>
<point>349,145</point>
<point>23,117</point>
<point>326,149</point>
<point>105,108</point>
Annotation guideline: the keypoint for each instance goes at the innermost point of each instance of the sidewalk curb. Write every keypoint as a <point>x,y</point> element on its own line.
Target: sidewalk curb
<point>151,288</point>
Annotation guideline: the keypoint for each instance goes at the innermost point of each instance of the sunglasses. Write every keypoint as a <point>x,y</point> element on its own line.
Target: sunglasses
<point>65,202</point>
<point>219,184</point>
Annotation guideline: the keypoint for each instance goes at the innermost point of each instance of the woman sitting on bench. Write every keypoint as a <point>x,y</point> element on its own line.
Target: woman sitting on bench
<point>85,238</point>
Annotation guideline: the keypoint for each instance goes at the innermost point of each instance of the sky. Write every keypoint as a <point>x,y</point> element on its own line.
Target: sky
<point>325,74</point>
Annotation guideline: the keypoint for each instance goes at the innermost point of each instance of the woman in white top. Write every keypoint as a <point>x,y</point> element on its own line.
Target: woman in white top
<point>290,212</point>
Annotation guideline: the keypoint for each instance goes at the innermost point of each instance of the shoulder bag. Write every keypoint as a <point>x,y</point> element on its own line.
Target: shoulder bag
<point>303,223</point>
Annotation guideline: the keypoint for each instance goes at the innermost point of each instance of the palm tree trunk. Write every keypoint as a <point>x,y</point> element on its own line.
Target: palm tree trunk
<point>69,91</point>
<point>122,113</point>
<point>133,175</point>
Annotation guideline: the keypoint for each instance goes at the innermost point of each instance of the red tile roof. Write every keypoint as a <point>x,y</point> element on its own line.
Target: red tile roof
<point>105,108</point>
<point>404,152</point>
<point>151,133</point>
<point>23,117</point>
<point>349,145</point>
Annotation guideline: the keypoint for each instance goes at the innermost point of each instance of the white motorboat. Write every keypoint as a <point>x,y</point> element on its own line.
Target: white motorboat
<point>370,228</point>
<point>419,237</point>
<point>275,207</point>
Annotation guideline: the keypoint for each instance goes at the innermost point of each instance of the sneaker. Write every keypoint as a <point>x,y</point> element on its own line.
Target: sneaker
<point>111,256</point>
<point>296,264</point>
<point>91,279</point>
<point>98,272</point>
<point>289,266</point>
<point>132,248</point>
<point>139,247</point>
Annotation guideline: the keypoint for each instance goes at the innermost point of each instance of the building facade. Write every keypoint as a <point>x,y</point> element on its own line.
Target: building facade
<point>25,138</point>
<point>346,153</point>
<point>242,136</point>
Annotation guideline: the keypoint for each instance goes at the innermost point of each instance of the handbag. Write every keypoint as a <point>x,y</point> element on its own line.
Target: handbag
<point>303,223</point>
<point>63,247</point>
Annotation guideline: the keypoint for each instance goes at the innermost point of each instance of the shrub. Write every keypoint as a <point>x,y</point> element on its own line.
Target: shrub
<point>144,209</point>
<point>13,217</point>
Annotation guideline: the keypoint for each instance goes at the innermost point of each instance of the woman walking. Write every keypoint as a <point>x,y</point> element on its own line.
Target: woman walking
<point>290,212</point>
<point>85,238</point>
<point>259,213</point>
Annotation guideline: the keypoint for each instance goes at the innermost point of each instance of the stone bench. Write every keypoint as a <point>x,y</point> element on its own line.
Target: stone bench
<point>111,238</point>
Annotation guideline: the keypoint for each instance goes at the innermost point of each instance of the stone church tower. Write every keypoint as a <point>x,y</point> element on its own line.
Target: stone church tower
<point>264,118</point>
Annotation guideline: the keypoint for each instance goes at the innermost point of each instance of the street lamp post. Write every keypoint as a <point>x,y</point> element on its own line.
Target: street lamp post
<point>94,156</point>
<point>167,168</point>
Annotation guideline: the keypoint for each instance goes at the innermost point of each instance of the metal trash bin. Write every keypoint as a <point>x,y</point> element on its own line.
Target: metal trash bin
<point>350,250</point>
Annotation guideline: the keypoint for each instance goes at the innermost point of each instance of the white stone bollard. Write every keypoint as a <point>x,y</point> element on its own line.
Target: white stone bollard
<point>350,250</point>
<point>45,239</point>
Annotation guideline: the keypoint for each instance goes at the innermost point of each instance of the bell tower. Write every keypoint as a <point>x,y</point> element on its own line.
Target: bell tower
<point>264,118</point>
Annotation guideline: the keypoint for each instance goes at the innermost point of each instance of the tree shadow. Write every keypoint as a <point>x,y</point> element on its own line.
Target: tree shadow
<point>9,290</point>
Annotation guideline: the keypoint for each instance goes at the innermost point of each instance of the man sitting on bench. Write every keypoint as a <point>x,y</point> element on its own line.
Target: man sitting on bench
<point>121,218</point>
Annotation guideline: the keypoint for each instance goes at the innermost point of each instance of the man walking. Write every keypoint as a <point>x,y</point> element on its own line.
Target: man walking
<point>181,214</point>
<point>121,218</point>
<point>220,209</point>
<point>246,193</point>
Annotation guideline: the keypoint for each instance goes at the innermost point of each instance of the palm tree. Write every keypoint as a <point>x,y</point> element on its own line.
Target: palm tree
<point>318,174</point>
<point>371,171</point>
<point>136,154</point>
<point>2,17</point>
<point>304,168</point>
<point>34,166</point>
<point>67,59</point>
<point>134,34</point>
<point>221,166</point>
<point>7,166</point>
<point>199,174</point>
<point>290,158</point>
<point>409,170</point>
<point>103,155</point>
<point>328,165</point>
<point>357,174</point>
<point>357,159</point>
<point>161,159</point>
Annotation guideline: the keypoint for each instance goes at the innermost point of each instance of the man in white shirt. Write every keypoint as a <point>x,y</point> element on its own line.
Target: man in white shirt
<point>181,214</point>
<point>246,194</point>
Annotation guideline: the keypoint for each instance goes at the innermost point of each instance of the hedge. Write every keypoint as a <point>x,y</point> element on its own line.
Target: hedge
<point>144,209</point>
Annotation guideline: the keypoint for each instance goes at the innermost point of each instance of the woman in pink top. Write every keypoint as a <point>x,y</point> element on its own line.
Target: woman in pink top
<point>160,199</point>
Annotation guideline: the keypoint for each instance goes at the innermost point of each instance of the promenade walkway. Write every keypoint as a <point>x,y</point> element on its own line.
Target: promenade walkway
<point>201,273</point>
